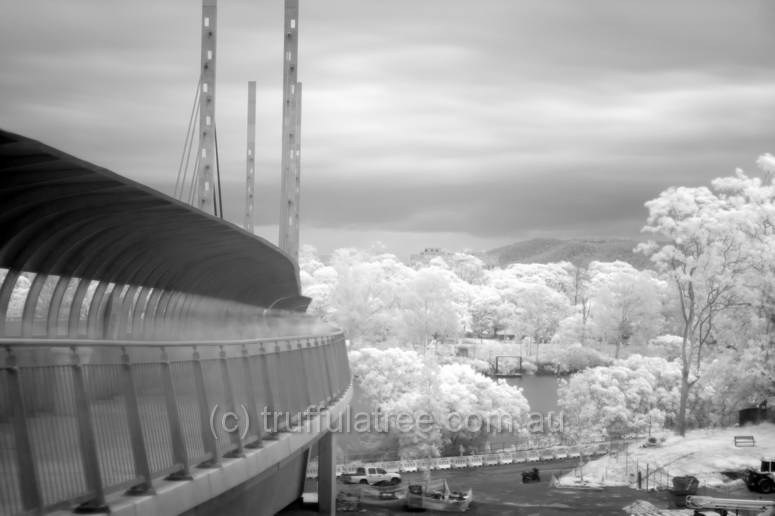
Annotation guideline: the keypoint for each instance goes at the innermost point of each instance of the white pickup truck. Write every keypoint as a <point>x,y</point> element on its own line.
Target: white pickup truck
<point>371,476</point>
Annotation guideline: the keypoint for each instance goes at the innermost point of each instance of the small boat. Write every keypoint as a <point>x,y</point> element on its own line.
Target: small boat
<point>383,496</point>
<point>436,495</point>
<point>576,485</point>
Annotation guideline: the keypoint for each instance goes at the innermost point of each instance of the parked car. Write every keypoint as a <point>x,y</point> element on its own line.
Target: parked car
<point>372,476</point>
<point>531,476</point>
<point>762,481</point>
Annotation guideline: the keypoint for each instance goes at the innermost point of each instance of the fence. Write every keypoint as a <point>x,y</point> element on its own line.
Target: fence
<point>621,466</point>
<point>476,461</point>
<point>82,419</point>
<point>652,476</point>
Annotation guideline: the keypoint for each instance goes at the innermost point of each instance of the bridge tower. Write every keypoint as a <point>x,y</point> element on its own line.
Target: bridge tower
<point>207,158</point>
<point>251,157</point>
<point>290,177</point>
<point>295,174</point>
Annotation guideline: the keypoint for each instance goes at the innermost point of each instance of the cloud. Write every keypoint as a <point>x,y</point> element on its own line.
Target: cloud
<point>485,122</point>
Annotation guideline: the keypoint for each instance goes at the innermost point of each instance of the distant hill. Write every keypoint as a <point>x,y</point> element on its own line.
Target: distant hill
<point>577,251</point>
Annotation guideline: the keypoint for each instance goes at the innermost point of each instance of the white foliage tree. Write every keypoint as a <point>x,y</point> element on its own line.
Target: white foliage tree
<point>539,310</point>
<point>625,303</point>
<point>429,311</point>
<point>442,407</point>
<point>467,267</point>
<point>701,252</point>
<point>629,396</point>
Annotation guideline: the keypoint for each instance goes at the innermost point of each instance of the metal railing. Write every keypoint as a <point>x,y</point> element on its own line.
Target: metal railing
<point>82,419</point>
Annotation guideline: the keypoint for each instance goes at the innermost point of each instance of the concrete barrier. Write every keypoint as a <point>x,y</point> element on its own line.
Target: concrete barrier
<point>408,466</point>
<point>426,464</point>
<point>443,463</point>
<point>491,459</point>
<point>458,462</point>
<point>472,461</point>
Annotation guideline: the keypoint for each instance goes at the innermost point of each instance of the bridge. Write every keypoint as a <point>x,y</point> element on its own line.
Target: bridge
<point>157,359</point>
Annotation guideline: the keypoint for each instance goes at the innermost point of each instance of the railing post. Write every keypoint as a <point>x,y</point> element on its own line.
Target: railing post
<point>208,439</point>
<point>282,411</point>
<point>236,438</point>
<point>301,365</point>
<point>281,393</point>
<point>179,452</point>
<point>299,387</point>
<point>345,362</point>
<point>135,427</point>
<point>317,389</point>
<point>87,440</point>
<point>267,415</point>
<point>329,378</point>
<point>317,392</point>
<point>332,362</point>
<point>29,486</point>
<point>251,394</point>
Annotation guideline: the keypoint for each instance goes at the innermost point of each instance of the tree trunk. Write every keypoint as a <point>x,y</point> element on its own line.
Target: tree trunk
<point>686,358</point>
<point>684,399</point>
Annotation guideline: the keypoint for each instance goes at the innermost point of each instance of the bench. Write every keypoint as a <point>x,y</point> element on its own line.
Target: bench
<point>744,440</point>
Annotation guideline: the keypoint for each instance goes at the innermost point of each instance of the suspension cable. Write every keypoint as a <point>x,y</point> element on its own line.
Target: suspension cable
<point>192,185</point>
<point>188,157</point>
<point>180,180</point>
<point>218,174</point>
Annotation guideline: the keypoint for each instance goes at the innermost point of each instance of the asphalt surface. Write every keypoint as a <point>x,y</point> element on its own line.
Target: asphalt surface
<point>498,490</point>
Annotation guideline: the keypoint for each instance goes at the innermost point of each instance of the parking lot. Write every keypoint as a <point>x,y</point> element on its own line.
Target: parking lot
<point>498,490</point>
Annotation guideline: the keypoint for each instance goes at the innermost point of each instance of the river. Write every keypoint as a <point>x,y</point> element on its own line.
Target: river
<point>540,391</point>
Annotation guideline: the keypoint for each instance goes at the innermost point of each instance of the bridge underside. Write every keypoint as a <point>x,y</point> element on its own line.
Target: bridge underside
<point>66,217</point>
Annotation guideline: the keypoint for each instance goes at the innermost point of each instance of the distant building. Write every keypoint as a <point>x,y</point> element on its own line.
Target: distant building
<point>428,254</point>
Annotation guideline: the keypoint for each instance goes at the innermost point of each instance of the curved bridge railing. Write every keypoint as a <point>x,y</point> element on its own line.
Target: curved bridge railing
<point>141,337</point>
<point>83,419</point>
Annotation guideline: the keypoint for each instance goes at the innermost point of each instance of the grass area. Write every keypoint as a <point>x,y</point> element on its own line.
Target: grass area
<point>702,453</point>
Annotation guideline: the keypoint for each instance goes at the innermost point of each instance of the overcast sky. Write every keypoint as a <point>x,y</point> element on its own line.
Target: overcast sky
<point>426,123</point>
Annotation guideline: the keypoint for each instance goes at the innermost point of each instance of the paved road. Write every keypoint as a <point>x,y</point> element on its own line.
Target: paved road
<point>498,490</point>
